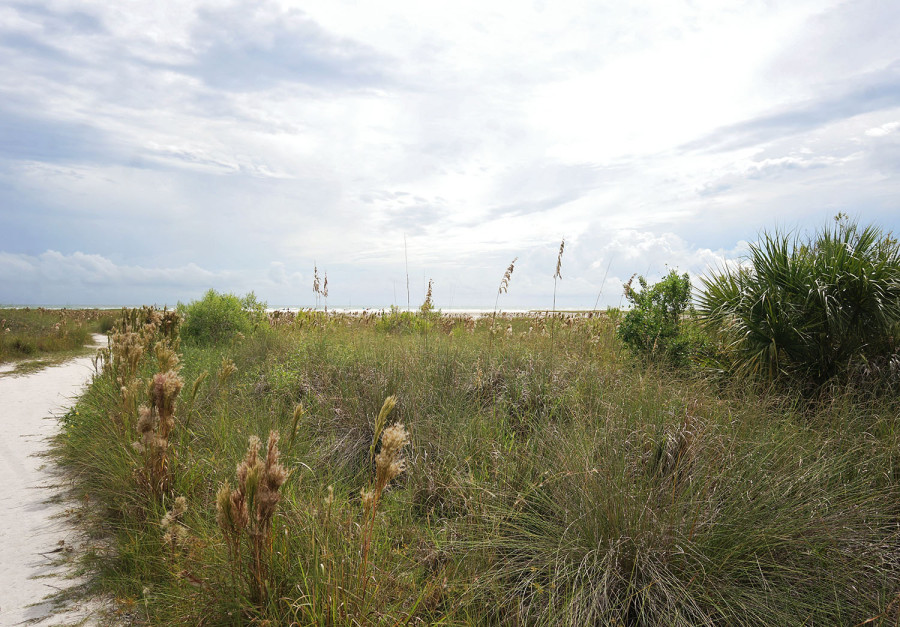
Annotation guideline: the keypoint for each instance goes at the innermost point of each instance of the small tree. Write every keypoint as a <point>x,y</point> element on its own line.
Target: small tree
<point>653,326</point>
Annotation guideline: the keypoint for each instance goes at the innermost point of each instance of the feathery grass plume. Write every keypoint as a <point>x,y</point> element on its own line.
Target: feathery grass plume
<point>175,534</point>
<point>229,519</point>
<point>195,386</point>
<point>155,425</point>
<point>427,306</point>
<point>557,275</point>
<point>245,513</point>
<point>562,247</point>
<point>166,356</point>
<point>169,325</point>
<point>129,390</point>
<point>503,289</point>
<point>226,370</point>
<point>298,413</point>
<point>128,347</point>
<point>388,465</point>
<point>386,408</point>
<point>100,360</point>
<point>127,350</point>
<point>317,284</point>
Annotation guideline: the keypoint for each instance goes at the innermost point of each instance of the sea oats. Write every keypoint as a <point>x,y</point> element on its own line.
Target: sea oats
<point>246,512</point>
<point>558,273</point>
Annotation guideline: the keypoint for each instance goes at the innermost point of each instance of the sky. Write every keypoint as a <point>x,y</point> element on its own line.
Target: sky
<point>150,151</point>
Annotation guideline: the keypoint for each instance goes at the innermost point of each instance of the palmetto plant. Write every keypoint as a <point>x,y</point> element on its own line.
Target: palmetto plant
<point>809,308</point>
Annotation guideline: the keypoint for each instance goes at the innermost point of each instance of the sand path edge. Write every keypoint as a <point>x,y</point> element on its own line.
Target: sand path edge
<point>34,529</point>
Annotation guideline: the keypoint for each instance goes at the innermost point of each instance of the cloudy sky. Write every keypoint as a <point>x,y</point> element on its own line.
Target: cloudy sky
<point>152,150</point>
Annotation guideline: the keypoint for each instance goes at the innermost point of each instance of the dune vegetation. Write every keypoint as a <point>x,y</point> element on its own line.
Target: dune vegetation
<point>412,468</point>
<point>36,332</point>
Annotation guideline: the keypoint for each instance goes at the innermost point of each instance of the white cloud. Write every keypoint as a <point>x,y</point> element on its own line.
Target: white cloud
<point>199,143</point>
<point>884,129</point>
<point>90,278</point>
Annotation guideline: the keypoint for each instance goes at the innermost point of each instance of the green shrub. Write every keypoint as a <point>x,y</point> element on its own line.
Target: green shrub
<point>220,317</point>
<point>654,325</point>
<point>105,324</point>
<point>809,309</point>
<point>397,321</point>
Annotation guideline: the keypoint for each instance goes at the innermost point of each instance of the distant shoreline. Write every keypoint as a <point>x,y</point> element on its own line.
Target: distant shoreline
<point>479,311</point>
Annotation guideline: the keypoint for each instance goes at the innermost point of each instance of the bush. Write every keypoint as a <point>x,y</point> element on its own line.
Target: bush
<point>397,321</point>
<point>105,324</point>
<point>220,317</point>
<point>809,309</point>
<point>654,324</point>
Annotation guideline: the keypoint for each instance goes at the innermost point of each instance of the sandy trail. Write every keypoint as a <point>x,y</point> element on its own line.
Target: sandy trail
<point>34,531</point>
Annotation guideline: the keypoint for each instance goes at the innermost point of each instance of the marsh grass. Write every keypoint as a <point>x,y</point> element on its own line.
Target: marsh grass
<point>586,489</point>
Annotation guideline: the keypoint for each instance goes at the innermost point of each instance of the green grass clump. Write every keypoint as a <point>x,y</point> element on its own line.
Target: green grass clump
<point>28,332</point>
<point>546,478</point>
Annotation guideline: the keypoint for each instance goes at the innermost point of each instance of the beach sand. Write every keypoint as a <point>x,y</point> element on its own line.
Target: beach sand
<point>34,531</point>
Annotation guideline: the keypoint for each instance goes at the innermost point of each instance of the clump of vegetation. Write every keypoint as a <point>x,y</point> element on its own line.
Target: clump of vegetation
<point>396,321</point>
<point>553,481</point>
<point>157,420</point>
<point>809,309</point>
<point>220,318</point>
<point>245,515</point>
<point>35,332</point>
<point>654,326</point>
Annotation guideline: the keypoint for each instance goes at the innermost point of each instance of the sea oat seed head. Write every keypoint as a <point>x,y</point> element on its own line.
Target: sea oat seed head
<point>394,438</point>
<point>224,509</point>
<point>562,247</point>
<point>388,463</point>
<point>145,419</point>
<point>164,391</point>
<point>226,369</point>
<point>367,497</point>
<point>274,473</point>
<point>389,403</point>
<point>504,283</point>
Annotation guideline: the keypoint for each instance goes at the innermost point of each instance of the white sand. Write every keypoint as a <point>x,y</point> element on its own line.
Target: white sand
<point>33,532</point>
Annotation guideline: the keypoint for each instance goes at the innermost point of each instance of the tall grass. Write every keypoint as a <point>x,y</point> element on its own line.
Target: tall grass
<point>590,489</point>
<point>35,332</point>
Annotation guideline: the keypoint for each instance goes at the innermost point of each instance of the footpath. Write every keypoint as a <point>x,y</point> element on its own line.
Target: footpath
<point>35,535</point>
